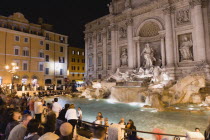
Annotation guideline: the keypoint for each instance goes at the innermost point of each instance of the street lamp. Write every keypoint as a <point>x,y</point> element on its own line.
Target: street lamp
<point>12,69</point>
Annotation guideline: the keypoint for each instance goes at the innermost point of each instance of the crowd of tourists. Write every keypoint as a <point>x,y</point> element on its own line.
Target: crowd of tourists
<point>31,118</point>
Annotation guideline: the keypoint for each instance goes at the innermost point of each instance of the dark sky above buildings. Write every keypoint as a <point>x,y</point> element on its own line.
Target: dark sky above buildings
<point>67,16</point>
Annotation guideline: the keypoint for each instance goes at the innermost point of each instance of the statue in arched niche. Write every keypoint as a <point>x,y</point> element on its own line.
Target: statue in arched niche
<point>185,49</point>
<point>124,57</point>
<point>148,54</point>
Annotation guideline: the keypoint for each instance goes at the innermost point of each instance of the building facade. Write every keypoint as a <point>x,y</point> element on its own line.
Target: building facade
<point>76,64</point>
<point>173,34</point>
<point>40,54</point>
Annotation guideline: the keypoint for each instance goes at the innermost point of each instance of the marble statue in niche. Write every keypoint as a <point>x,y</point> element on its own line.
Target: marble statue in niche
<point>183,16</point>
<point>122,32</point>
<point>148,54</point>
<point>124,57</point>
<point>185,47</point>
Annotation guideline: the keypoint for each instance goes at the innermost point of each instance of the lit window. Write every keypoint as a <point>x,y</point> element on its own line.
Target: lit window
<point>78,53</point>
<point>61,59</point>
<point>83,53</point>
<point>73,52</point>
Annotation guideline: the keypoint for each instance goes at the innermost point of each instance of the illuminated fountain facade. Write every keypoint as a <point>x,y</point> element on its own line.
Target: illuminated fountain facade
<point>171,34</point>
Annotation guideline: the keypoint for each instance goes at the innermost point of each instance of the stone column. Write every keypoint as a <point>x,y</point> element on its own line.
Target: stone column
<point>199,30</point>
<point>130,43</point>
<point>138,54</point>
<point>95,54</point>
<point>113,46</point>
<point>163,55</point>
<point>104,35</point>
<point>86,56</point>
<point>169,38</point>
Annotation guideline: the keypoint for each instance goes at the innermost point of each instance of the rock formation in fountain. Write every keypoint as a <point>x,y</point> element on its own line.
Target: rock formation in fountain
<point>98,90</point>
<point>187,89</point>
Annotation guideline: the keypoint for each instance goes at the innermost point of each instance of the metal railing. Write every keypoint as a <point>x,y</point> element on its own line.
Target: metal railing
<point>176,137</point>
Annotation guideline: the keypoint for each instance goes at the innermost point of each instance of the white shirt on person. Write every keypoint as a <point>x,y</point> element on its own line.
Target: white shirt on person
<point>71,114</point>
<point>38,107</point>
<point>56,107</point>
<point>80,113</point>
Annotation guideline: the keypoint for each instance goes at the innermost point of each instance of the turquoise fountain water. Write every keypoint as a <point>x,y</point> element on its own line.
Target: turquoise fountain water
<point>144,119</point>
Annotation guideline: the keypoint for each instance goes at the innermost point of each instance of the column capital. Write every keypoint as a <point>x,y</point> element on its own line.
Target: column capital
<point>129,22</point>
<point>113,27</point>
<point>169,10</point>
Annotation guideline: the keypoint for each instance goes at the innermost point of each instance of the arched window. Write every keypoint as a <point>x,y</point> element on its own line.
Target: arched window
<point>25,51</point>
<point>41,54</point>
<point>16,50</point>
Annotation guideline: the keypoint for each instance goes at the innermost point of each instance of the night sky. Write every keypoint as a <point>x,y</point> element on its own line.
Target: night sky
<point>67,16</point>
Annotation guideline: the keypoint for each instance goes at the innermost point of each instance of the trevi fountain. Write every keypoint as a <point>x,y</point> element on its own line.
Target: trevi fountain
<point>148,60</point>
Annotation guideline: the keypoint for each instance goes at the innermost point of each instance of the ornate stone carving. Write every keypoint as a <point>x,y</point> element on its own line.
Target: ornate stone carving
<point>111,8</point>
<point>149,29</point>
<point>122,32</point>
<point>194,3</point>
<point>183,16</point>
<point>186,47</point>
<point>168,10</point>
<point>124,57</point>
<point>129,22</point>
<point>19,17</point>
<point>113,27</point>
<point>127,4</point>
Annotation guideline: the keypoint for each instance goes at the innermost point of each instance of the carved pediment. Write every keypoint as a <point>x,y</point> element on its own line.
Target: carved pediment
<point>19,17</point>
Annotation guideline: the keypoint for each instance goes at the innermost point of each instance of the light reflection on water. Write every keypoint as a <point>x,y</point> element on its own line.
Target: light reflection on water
<point>144,119</point>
